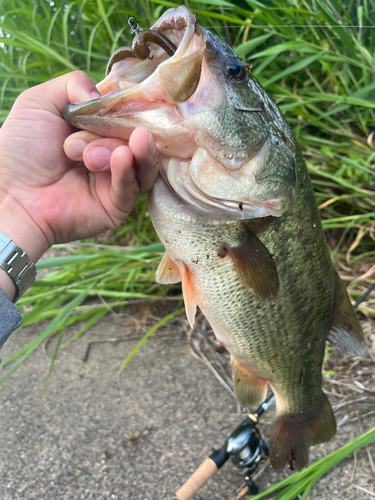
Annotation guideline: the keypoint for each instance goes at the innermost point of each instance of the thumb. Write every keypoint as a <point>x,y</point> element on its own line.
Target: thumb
<point>55,94</point>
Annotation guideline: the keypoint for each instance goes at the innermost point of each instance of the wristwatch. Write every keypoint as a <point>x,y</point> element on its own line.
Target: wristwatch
<point>17,264</point>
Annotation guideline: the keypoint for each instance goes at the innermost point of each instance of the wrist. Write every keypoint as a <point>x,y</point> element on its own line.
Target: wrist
<point>18,225</point>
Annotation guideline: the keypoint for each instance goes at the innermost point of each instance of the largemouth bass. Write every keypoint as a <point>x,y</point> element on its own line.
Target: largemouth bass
<point>235,209</point>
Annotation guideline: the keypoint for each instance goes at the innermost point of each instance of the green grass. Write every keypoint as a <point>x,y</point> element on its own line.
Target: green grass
<point>302,482</point>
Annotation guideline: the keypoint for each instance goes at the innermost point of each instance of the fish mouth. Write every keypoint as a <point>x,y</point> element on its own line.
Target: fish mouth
<point>138,88</point>
<point>170,95</point>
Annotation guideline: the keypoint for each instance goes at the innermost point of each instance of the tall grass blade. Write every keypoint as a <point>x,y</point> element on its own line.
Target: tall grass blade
<point>96,316</point>
<point>148,334</point>
<point>53,359</point>
<point>311,475</point>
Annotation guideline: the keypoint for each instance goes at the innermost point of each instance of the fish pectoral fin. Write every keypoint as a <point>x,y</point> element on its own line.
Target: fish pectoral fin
<point>346,332</point>
<point>255,266</point>
<point>249,388</point>
<point>168,271</point>
<point>292,435</point>
<point>188,292</point>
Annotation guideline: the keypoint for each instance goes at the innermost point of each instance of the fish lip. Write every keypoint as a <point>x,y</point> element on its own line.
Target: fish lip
<point>180,18</point>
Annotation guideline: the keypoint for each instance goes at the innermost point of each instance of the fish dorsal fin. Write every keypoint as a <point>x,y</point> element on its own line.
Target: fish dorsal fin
<point>249,389</point>
<point>346,332</point>
<point>255,266</point>
<point>168,271</point>
<point>188,291</point>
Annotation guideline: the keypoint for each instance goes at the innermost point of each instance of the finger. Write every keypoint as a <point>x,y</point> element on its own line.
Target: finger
<point>124,188</point>
<point>54,95</point>
<point>80,88</point>
<point>145,155</point>
<point>97,155</point>
<point>76,143</point>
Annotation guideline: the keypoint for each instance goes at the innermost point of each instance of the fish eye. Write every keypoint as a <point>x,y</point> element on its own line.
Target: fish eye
<point>235,69</point>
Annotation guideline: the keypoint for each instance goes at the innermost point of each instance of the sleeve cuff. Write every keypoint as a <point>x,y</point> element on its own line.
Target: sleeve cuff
<point>10,318</point>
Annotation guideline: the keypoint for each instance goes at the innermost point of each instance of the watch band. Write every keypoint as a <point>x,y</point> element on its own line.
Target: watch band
<point>17,264</point>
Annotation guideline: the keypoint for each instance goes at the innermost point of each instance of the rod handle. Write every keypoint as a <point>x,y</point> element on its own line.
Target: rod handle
<point>242,493</point>
<point>205,471</point>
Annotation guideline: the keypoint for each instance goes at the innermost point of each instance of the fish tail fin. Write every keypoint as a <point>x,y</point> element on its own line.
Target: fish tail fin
<point>293,435</point>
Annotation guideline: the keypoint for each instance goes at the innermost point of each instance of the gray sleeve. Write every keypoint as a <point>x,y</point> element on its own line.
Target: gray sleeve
<point>10,318</point>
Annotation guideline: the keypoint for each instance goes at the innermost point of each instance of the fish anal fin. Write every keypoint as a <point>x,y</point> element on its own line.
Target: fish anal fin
<point>188,292</point>
<point>255,266</point>
<point>292,435</point>
<point>346,332</point>
<point>249,388</point>
<point>168,271</point>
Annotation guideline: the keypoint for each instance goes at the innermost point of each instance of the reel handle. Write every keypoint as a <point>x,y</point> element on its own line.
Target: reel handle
<point>200,476</point>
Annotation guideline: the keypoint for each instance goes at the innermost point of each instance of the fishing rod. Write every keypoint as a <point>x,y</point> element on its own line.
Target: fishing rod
<point>246,447</point>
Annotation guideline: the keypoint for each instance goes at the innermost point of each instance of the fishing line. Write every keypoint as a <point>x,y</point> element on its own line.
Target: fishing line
<point>364,296</point>
<point>251,25</point>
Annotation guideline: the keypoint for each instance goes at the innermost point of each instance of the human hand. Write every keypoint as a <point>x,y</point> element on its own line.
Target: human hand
<point>46,197</point>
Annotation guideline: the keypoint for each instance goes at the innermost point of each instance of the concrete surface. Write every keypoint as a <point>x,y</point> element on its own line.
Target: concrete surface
<point>138,435</point>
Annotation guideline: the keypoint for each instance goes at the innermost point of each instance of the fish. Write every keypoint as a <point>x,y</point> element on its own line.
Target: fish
<point>236,212</point>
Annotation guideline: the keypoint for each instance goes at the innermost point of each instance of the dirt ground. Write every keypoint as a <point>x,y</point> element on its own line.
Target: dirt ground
<point>139,435</point>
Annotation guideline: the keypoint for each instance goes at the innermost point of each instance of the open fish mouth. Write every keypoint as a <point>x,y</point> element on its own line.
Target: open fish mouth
<point>178,93</point>
<point>151,89</point>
